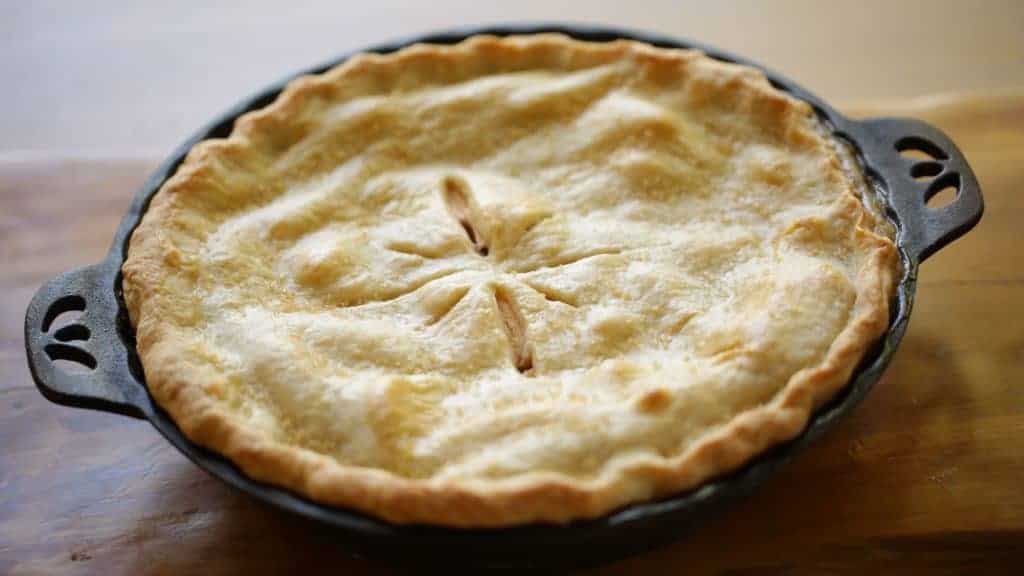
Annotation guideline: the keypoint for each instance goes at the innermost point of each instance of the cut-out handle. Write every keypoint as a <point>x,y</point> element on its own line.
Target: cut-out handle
<point>90,341</point>
<point>916,161</point>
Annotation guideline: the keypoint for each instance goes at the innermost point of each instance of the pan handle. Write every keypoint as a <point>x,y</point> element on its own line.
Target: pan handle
<point>912,181</point>
<point>102,381</point>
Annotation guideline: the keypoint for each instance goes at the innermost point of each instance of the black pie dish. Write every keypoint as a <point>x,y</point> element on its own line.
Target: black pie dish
<point>102,340</point>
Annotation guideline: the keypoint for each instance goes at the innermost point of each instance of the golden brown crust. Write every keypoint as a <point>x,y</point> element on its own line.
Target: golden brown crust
<point>160,267</point>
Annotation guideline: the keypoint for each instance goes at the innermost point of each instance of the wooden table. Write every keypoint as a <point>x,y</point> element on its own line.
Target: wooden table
<point>927,474</point>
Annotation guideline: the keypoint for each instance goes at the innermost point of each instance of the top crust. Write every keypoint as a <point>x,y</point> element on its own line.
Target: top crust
<point>510,280</point>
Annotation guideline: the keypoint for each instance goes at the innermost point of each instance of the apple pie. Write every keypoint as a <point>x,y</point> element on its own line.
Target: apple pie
<point>510,280</point>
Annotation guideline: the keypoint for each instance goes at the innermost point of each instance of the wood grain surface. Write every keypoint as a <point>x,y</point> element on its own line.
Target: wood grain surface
<point>926,475</point>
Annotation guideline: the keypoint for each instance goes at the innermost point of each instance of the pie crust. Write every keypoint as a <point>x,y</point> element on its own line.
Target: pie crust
<point>509,280</point>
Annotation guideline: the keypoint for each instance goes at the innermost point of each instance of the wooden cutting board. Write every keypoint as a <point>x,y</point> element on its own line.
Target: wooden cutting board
<point>927,474</point>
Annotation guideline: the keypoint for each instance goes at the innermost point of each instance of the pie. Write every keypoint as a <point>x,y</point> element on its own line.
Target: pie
<point>511,280</point>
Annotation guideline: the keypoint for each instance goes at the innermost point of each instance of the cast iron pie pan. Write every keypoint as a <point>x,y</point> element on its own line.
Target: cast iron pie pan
<point>102,340</point>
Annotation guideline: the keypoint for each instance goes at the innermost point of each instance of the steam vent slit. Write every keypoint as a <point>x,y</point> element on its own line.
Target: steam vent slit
<point>459,201</point>
<point>515,328</point>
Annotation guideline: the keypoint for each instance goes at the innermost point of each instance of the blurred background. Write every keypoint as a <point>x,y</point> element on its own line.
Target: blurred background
<point>129,77</point>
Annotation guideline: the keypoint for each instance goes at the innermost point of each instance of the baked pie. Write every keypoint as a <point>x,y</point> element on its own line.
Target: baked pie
<point>509,280</point>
